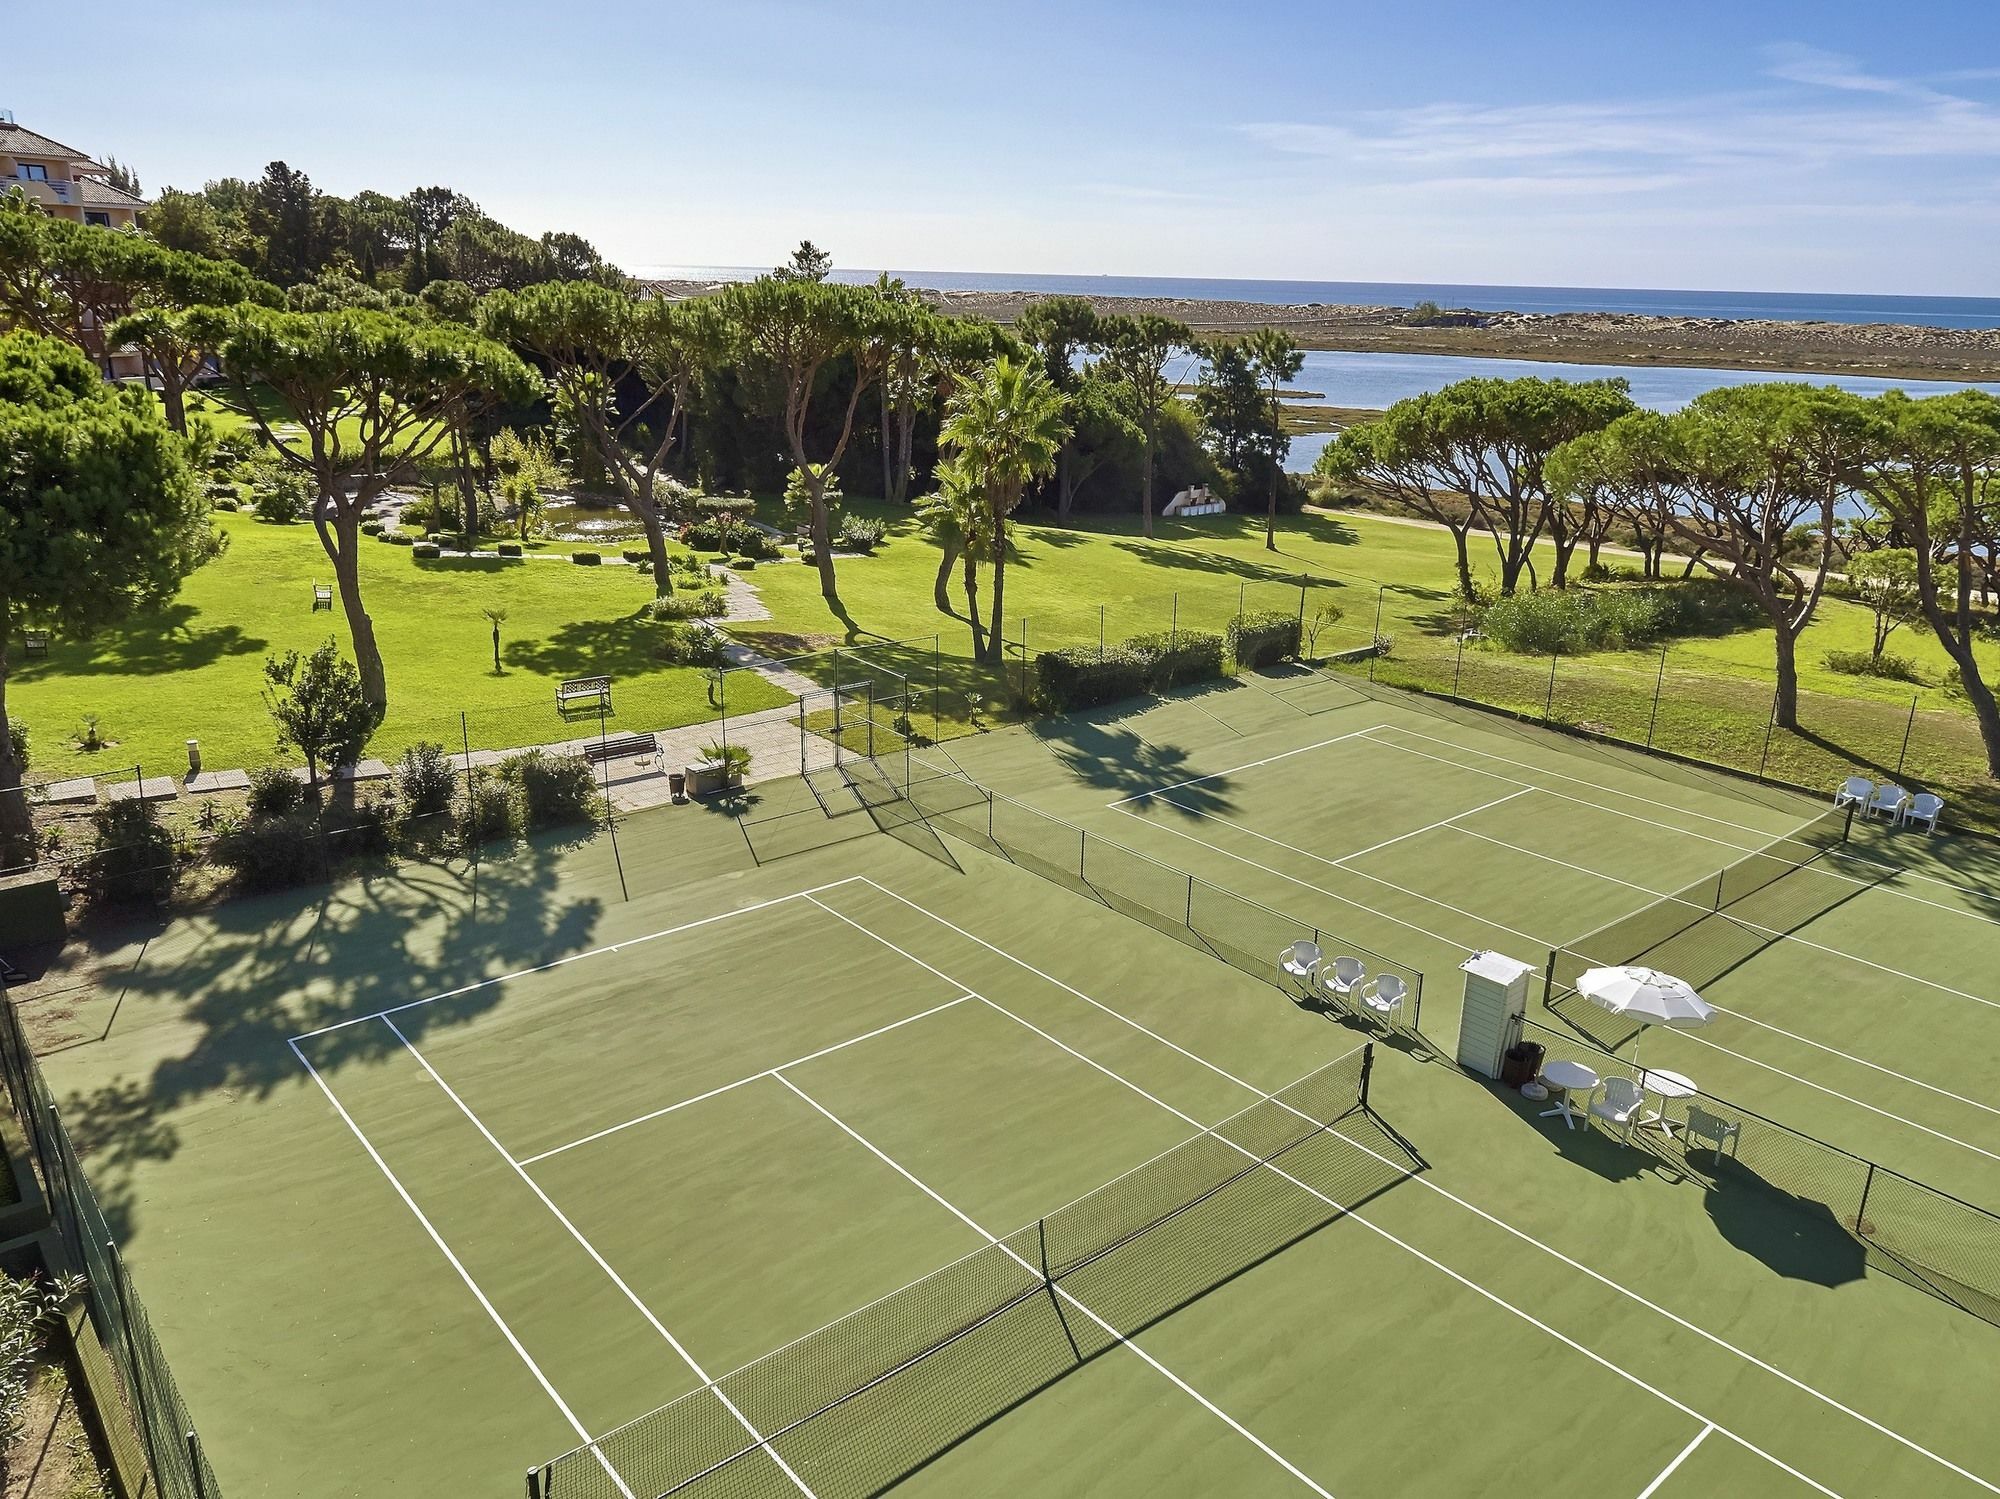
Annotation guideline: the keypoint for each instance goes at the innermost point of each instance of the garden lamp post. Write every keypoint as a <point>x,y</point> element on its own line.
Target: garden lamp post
<point>498,616</point>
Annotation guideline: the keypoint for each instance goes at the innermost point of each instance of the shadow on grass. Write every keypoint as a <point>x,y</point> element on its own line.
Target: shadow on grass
<point>149,644</point>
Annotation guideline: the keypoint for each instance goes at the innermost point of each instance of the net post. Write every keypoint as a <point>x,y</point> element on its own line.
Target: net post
<point>1861,1212</point>
<point>1189,922</point>
<point>534,1483</point>
<point>1549,980</point>
<point>989,817</point>
<point>1367,1069</point>
<point>195,1466</point>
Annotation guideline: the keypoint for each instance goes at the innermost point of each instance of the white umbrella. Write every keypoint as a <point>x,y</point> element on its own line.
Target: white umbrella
<point>1647,996</point>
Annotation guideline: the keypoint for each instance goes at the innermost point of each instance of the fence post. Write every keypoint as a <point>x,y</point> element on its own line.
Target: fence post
<point>802,733</point>
<point>1374,649</point>
<point>1021,690</point>
<point>1549,702</point>
<point>1302,603</point>
<point>871,718</point>
<point>989,818</point>
<point>1659,681</point>
<point>937,688</point>
<point>1769,724</point>
<point>1241,584</point>
<point>1903,753</point>
<point>1458,665</point>
<point>1100,632</point>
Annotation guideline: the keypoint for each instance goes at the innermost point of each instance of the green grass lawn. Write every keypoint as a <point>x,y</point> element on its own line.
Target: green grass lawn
<point>194,670</point>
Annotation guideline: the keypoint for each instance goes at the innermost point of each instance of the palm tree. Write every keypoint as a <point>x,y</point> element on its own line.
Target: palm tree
<point>1006,426</point>
<point>958,517</point>
<point>1275,359</point>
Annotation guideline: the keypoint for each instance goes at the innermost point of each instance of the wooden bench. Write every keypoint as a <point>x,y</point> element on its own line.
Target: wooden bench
<point>619,747</point>
<point>589,691</point>
<point>322,596</point>
<point>36,642</point>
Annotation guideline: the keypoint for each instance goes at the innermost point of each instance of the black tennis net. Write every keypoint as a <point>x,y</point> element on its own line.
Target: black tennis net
<point>1712,926</point>
<point>850,1409</point>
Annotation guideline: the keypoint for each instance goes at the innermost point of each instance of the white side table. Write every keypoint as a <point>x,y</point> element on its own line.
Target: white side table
<point>1566,1077</point>
<point>1665,1086</point>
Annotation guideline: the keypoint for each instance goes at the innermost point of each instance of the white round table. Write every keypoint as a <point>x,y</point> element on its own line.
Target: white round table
<point>1665,1086</point>
<point>1566,1076</point>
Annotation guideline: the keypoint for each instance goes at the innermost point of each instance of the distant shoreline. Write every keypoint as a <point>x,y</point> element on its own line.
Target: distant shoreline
<point>1894,351</point>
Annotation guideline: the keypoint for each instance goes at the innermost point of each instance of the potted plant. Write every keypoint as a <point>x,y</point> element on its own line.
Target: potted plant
<point>721,768</point>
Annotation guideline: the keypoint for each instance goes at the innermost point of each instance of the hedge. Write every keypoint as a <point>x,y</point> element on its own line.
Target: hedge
<point>509,549</point>
<point>1177,659</point>
<point>586,559</point>
<point>1263,639</point>
<point>1080,677</point>
<point>424,550</point>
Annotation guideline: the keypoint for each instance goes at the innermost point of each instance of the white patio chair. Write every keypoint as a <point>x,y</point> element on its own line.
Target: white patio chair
<point>1344,977</point>
<point>1710,1128</point>
<point>1924,808</point>
<point>1620,1104</point>
<point>1887,802</point>
<point>1854,792</point>
<point>1385,998</point>
<point>1301,961</point>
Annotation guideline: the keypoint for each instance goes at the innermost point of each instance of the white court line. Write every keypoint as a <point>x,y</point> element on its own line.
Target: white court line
<point>1843,852</point>
<point>1375,1228</point>
<point>575,957</point>
<point>463,1274</point>
<point>1344,900</point>
<point>824,1051</point>
<point>1429,827</point>
<point>694,1367</point>
<point>1668,1471</point>
<point>1543,942</point>
<point>1252,765</point>
<point>1209,1405</point>
<point>1740,921</point>
<point>1498,1222</point>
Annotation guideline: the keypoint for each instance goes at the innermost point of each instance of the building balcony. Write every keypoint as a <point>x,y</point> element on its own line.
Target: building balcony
<point>67,194</point>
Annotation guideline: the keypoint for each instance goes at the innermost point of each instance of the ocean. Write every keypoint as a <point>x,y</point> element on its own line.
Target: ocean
<point>1782,306</point>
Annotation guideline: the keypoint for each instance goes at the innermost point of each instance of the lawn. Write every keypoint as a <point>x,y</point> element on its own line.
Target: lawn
<point>194,669</point>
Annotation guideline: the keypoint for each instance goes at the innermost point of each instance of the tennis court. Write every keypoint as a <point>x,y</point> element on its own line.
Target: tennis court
<point>857,1164</point>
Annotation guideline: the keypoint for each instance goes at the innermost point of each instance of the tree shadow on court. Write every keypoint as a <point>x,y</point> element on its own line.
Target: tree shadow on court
<point>1103,751</point>
<point>229,988</point>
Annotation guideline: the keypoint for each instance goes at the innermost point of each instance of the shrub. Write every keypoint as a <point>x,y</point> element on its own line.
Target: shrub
<point>273,853</point>
<point>1079,677</point>
<point>275,791</point>
<point>733,758</point>
<point>280,494</point>
<point>635,555</point>
<point>425,780</point>
<point>706,603</point>
<point>216,489</point>
<point>1888,664</point>
<point>697,645</point>
<point>399,538</point>
<point>485,811</point>
<point>1575,620</point>
<point>760,545</point>
<point>860,533</point>
<point>1263,639</point>
<point>425,550</point>
<point>371,528</point>
<point>744,564</point>
<point>1177,659</point>
<point>133,856</point>
<point>17,735</point>
<point>724,504</point>
<point>706,536</point>
<point>586,559</point>
<point>230,504</point>
<point>510,549</point>
<point>357,831</point>
<point>553,789</point>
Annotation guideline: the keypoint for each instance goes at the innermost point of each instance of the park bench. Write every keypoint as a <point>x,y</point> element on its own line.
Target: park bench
<point>618,747</point>
<point>322,596</point>
<point>36,642</point>
<point>590,692</point>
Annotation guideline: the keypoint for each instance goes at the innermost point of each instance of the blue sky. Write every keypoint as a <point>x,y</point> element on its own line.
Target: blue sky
<point>1824,147</point>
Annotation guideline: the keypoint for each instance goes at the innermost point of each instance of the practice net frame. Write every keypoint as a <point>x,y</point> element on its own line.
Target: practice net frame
<point>1709,928</point>
<point>849,1409</point>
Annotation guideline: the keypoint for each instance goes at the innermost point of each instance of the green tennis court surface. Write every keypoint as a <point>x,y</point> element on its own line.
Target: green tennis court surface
<point>784,1155</point>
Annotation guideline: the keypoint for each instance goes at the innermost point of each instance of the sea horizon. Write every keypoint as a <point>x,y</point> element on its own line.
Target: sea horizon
<point>1775,306</point>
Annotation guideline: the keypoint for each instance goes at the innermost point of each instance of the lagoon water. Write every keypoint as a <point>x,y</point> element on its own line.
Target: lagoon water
<point>1785,306</point>
<point>1338,378</point>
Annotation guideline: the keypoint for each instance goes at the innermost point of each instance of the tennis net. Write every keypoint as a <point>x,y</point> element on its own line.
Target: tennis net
<point>857,1405</point>
<point>1712,926</point>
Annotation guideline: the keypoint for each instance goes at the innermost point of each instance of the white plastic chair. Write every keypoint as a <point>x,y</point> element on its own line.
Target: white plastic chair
<point>1344,977</point>
<point>1620,1104</point>
<point>1854,792</point>
<point>1385,997</point>
<point>1924,808</point>
<point>1710,1128</point>
<point>1301,961</point>
<point>1887,802</point>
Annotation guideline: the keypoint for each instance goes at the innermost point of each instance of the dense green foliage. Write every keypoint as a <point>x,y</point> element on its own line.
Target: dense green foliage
<point>1263,639</point>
